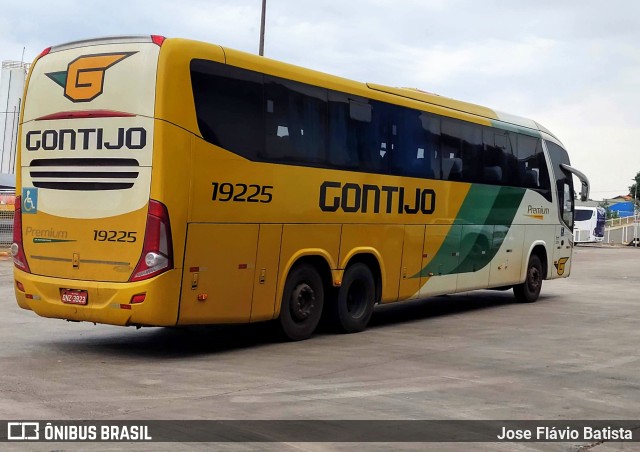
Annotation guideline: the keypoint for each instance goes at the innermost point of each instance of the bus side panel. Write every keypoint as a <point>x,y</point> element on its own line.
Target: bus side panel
<point>218,274</point>
<point>299,240</point>
<point>538,235</point>
<point>171,180</point>
<point>506,266</point>
<point>387,241</point>
<point>561,265</point>
<point>475,251</point>
<point>441,255</point>
<point>265,279</point>
<point>411,261</point>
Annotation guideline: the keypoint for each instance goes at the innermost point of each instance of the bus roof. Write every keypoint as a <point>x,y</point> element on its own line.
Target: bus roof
<point>466,107</point>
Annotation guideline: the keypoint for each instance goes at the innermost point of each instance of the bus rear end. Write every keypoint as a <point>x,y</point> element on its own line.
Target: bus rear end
<point>90,243</point>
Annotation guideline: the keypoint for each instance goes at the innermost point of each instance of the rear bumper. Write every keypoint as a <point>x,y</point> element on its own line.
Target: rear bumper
<point>108,302</point>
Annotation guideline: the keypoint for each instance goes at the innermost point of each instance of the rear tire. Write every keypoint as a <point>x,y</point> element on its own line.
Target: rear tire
<point>529,290</point>
<point>302,302</point>
<point>353,307</point>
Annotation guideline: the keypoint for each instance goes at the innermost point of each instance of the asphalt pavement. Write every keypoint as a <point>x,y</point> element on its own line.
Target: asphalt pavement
<point>480,355</point>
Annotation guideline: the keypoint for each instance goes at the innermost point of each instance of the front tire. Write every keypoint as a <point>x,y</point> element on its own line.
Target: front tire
<point>529,290</point>
<point>302,302</point>
<point>353,307</point>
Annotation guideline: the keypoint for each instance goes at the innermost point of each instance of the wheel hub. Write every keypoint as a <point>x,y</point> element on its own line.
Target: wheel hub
<point>534,278</point>
<point>302,301</point>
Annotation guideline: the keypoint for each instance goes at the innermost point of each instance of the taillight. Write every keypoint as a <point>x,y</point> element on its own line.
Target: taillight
<point>17,250</point>
<point>158,40</point>
<point>157,249</point>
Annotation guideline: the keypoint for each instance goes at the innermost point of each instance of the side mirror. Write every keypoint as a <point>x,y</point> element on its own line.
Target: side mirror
<point>584,181</point>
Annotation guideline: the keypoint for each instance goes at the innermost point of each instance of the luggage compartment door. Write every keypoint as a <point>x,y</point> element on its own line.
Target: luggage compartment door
<point>218,273</point>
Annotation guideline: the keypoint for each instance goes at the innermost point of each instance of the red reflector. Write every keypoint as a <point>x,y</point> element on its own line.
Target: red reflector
<point>139,298</point>
<point>19,258</point>
<point>194,269</point>
<point>86,114</point>
<point>20,286</point>
<point>125,306</point>
<point>242,266</point>
<point>29,296</point>
<point>44,52</point>
<point>202,296</point>
<point>158,40</point>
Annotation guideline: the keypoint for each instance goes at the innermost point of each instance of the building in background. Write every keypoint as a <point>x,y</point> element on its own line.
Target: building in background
<point>12,81</point>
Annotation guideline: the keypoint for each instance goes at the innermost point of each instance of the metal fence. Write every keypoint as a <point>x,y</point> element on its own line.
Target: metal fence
<point>622,231</point>
<point>7,199</point>
<point>6,228</point>
<point>622,221</point>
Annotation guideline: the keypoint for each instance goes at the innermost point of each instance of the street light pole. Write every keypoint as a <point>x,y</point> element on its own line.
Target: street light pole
<point>262,22</point>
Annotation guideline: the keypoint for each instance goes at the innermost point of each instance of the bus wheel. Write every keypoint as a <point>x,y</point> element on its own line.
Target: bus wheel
<point>353,308</point>
<point>529,290</point>
<point>301,302</point>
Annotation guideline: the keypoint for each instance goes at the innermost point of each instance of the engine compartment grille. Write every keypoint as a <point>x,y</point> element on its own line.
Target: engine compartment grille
<point>84,173</point>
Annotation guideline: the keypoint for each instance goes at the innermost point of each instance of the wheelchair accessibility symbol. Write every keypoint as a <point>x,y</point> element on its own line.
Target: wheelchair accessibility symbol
<point>30,200</point>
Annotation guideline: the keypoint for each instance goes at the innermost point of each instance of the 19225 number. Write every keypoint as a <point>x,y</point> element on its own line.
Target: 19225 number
<point>114,236</point>
<point>241,192</point>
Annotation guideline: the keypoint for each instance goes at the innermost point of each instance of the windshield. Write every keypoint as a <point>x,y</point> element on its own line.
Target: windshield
<point>582,215</point>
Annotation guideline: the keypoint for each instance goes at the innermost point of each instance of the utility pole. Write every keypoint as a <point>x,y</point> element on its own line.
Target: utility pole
<point>262,22</point>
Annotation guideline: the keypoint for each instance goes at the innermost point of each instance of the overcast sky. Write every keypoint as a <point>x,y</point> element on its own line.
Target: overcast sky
<point>573,66</point>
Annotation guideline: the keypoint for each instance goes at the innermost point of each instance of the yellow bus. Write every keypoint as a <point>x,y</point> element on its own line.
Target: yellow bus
<point>169,182</point>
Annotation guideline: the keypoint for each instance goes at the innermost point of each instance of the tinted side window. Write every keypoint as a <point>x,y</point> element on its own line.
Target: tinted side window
<point>296,121</point>
<point>431,125</point>
<point>493,162</point>
<point>353,134</point>
<point>229,106</point>
<point>273,119</point>
<point>532,166</point>
<point>472,152</point>
<point>451,145</point>
<point>413,152</point>
<point>379,145</point>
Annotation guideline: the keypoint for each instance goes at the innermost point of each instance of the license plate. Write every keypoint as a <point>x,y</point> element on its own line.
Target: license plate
<point>73,296</point>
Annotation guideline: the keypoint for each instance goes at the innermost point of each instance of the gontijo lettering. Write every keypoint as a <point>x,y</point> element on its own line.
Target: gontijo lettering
<point>352,197</point>
<point>85,139</point>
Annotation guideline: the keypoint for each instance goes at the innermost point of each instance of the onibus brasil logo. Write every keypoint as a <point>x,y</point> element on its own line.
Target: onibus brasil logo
<point>83,80</point>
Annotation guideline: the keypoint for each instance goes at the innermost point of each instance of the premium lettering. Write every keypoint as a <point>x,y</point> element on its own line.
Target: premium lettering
<point>537,210</point>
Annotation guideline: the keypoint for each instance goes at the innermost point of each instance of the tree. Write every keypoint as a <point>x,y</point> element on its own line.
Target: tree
<point>633,190</point>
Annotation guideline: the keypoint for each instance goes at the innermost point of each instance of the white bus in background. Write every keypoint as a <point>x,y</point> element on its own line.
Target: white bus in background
<point>588,226</point>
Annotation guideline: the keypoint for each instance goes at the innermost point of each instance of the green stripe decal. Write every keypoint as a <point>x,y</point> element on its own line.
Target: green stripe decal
<point>43,240</point>
<point>483,221</point>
